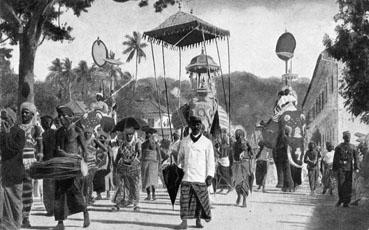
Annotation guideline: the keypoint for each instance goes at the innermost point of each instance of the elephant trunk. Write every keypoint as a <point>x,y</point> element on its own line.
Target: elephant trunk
<point>292,162</point>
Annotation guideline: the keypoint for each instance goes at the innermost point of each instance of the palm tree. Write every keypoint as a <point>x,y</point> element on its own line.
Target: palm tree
<point>68,75</point>
<point>54,78</point>
<point>84,76</point>
<point>134,47</point>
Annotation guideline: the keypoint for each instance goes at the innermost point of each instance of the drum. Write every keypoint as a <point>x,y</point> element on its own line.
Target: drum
<point>59,168</point>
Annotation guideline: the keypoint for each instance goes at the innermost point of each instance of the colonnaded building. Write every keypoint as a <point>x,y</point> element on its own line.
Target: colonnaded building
<point>323,106</point>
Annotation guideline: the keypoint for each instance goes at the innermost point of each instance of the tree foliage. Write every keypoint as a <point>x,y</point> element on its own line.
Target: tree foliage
<point>351,46</point>
<point>29,22</point>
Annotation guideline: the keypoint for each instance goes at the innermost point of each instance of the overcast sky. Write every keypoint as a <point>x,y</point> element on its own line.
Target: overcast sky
<point>254,25</point>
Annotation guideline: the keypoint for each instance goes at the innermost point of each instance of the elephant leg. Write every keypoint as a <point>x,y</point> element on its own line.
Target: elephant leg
<point>296,175</point>
<point>280,174</point>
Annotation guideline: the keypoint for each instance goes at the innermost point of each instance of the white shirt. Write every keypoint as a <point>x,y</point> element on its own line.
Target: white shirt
<point>328,157</point>
<point>196,159</point>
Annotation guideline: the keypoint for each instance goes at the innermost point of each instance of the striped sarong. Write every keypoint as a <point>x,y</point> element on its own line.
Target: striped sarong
<point>27,197</point>
<point>194,201</point>
<point>241,172</point>
<point>130,178</point>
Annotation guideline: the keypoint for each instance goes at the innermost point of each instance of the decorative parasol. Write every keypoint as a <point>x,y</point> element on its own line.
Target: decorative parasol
<point>129,122</point>
<point>184,30</point>
<point>172,178</point>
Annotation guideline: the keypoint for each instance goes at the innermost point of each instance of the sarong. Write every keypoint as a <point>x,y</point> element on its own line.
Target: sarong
<point>149,174</point>
<point>69,199</point>
<point>223,177</point>
<point>194,201</point>
<point>261,172</point>
<point>11,207</point>
<point>130,178</point>
<point>344,180</point>
<point>49,195</point>
<point>328,180</point>
<point>99,180</point>
<point>241,171</point>
<point>27,197</point>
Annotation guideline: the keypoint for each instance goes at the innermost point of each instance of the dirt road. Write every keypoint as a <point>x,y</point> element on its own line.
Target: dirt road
<point>271,210</point>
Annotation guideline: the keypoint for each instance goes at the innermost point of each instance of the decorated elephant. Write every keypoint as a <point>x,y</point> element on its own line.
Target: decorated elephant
<point>286,138</point>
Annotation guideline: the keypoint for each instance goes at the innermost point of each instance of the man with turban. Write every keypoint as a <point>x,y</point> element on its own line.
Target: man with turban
<point>33,150</point>
<point>344,162</point>
<point>12,141</point>
<point>69,198</point>
<point>100,105</point>
<point>196,158</point>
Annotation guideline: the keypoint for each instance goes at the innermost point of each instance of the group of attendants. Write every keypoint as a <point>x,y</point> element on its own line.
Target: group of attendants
<point>121,161</point>
<point>337,166</point>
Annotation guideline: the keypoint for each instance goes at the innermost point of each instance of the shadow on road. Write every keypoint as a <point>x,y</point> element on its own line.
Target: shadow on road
<point>140,223</point>
<point>131,211</point>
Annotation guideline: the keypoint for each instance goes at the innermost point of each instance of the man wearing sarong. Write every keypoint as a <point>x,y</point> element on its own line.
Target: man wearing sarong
<point>262,158</point>
<point>196,157</point>
<point>150,161</point>
<point>328,179</point>
<point>311,159</point>
<point>12,141</point>
<point>128,169</point>
<point>32,151</point>
<point>344,162</point>
<point>49,144</point>
<point>223,178</point>
<point>69,198</point>
<point>242,167</point>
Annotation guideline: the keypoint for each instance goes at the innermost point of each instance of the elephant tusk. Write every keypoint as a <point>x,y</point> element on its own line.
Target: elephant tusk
<point>290,158</point>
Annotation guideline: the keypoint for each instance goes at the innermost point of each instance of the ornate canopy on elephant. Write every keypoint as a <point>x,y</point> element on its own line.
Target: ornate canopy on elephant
<point>183,30</point>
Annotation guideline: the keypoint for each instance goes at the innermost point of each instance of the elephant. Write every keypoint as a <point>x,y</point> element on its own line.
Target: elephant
<point>286,139</point>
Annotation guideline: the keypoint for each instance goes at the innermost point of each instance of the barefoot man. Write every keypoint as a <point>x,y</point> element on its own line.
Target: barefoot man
<point>196,157</point>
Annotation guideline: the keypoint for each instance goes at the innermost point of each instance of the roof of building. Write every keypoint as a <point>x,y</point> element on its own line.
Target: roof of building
<point>322,55</point>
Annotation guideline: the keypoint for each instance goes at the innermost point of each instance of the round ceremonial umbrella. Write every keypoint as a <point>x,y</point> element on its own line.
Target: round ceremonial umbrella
<point>129,122</point>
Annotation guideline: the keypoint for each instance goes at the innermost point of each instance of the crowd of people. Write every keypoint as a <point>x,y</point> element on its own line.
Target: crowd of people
<point>336,167</point>
<point>130,162</point>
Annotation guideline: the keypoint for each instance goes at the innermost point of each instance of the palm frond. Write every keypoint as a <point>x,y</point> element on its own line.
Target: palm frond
<point>129,49</point>
<point>131,55</point>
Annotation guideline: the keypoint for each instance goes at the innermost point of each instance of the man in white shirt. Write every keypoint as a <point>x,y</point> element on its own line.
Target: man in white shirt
<point>196,157</point>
